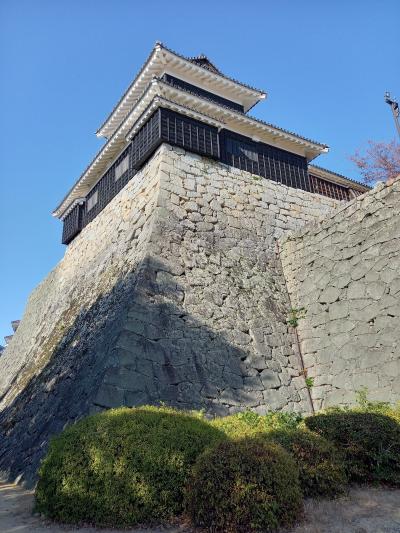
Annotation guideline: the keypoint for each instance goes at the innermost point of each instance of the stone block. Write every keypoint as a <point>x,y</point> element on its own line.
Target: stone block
<point>329,295</point>
<point>109,396</point>
<point>365,379</point>
<point>338,310</point>
<point>375,290</point>
<point>270,379</point>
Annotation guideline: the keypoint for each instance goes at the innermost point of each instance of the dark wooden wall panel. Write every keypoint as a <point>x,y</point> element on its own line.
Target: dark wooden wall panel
<point>193,135</point>
<point>72,224</point>
<point>231,148</point>
<point>264,160</point>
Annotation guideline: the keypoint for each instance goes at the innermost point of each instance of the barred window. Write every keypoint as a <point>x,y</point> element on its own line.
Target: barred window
<point>92,201</point>
<point>122,167</point>
<point>327,188</point>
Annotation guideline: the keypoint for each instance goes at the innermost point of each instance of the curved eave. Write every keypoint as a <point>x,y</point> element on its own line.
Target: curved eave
<point>328,175</point>
<point>160,101</point>
<point>106,156</point>
<point>161,60</point>
<point>245,124</point>
<point>197,107</point>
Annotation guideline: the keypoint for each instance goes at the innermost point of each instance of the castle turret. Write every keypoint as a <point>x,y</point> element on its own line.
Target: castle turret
<point>188,102</point>
<point>196,235</point>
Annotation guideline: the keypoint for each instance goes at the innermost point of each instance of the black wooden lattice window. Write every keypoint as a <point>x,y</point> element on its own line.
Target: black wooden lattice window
<point>122,167</point>
<point>92,200</point>
<point>72,224</point>
<point>327,188</point>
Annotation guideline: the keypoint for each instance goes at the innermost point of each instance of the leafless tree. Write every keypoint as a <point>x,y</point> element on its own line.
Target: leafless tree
<point>379,162</point>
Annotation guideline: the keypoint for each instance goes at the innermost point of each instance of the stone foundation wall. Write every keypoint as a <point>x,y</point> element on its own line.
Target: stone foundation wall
<point>52,368</point>
<point>173,293</point>
<point>209,325</point>
<point>345,273</point>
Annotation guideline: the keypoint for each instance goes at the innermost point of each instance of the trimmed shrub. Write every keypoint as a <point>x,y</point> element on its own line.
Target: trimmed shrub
<point>250,424</point>
<point>321,466</point>
<point>370,442</point>
<point>122,467</point>
<point>244,485</point>
<point>393,412</point>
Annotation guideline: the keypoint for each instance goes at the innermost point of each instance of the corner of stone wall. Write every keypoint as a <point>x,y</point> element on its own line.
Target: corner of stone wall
<point>173,293</point>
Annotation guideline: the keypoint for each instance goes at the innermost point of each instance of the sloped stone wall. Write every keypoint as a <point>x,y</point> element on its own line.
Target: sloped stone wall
<point>345,273</point>
<point>211,329</point>
<point>173,293</point>
<point>52,368</point>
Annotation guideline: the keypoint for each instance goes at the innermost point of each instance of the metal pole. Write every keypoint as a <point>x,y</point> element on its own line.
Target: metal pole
<point>396,119</point>
<point>394,106</point>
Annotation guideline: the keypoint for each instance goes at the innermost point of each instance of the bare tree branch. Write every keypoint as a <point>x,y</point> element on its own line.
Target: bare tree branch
<point>380,161</point>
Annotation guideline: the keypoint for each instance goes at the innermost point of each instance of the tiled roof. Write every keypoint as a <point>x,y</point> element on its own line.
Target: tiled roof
<point>203,97</point>
<point>219,72</point>
<point>201,61</point>
<point>323,145</point>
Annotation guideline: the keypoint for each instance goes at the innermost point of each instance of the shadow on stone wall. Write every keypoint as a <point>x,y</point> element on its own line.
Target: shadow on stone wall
<point>135,345</point>
<point>63,389</point>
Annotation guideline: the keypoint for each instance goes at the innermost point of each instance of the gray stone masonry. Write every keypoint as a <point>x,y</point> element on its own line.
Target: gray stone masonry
<point>174,293</point>
<point>345,272</point>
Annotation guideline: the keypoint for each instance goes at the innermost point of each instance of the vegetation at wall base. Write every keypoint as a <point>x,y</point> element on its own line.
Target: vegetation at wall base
<point>244,472</point>
<point>249,423</point>
<point>364,404</point>
<point>244,485</point>
<point>321,466</point>
<point>370,442</point>
<point>122,467</point>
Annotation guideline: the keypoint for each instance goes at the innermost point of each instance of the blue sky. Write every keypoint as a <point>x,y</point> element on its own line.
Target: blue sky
<point>64,64</point>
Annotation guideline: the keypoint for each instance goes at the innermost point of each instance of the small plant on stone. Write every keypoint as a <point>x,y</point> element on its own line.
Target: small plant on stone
<point>309,382</point>
<point>256,178</point>
<point>295,315</point>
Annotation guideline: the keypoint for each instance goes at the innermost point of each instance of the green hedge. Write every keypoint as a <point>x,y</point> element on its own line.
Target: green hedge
<point>250,424</point>
<point>122,467</point>
<point>370,442</point>
<point>126,466</point>
<point>321,466</point>
<point>243,486</point>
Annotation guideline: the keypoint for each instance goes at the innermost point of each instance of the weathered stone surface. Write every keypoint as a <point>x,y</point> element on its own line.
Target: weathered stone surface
<point>176,293</point>
<point>355,339</point>
<point>173,293</point>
